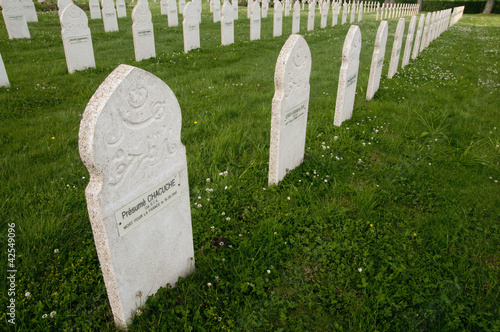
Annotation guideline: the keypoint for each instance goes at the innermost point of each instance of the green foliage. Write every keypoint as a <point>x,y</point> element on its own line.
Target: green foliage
<point>471,7</point>
<point>390,223</point>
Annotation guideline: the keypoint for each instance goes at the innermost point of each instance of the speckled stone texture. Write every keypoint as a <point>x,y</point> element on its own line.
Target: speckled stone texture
<point>143,32</point>
<point>290,108</point>
<point>15,22</point>
<point>377,60</point>
<point>396,48</point>
<point>191,27</point>
<point>129,140</point>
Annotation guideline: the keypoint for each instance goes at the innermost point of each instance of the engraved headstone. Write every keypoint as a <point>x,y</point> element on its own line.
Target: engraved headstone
<point>142,31</point>
<point>227,24</point>
<point>95,9</point>
<point>29,11</point>
<point>425,33</point>
<point>182,5</point>
<point>296,17</point>
<point>138,193</point>
<point>324,14</point>
<point>77,40</point>
<point>409,41</point>
<point>348,76</point>
<point>197,4</point>
<point>396,48</point>
<point>289,108</point>
<point>216,11</point>
<point>287,7</point>
<point>255,22</point>
<point>360,12</point>
<point>235,10</point>
<point>278,19</point>
<point>311,15</point>
<point>4,79</point>
<point>191,27</point>
<point>121,9</point>
<point>164,7</point>
<point>353,12</point>
<point>172,17</point>
<point>61,4</point>
<point>265,8</point>
<point>344,13</point>
<point>15,22</point>
<point>377,60</point>
<point>109,16</point>
<point>335,16</point>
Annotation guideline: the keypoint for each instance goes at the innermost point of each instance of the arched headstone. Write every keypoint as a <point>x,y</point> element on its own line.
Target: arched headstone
<point>377,60</point>
<point>95,9</point>
<point>109,16</point>
<point>142,32</point>
<point>227,24</point>
<point>15,22</point>
<point>191,27</point>
<point>296,17</point>
<point>396,48</point>
<point>278,19</point>
<point>255,22</point>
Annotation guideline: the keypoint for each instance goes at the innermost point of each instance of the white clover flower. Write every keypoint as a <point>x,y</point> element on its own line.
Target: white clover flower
<point>288,198</point>
<point>28,295</point>
<point>223,213</point>
<point>212,228</point>
<point>44,316</point>
<point>360,270</point>
<point>208,179</point>
<point>56,251</point>
<point>268,271</point>
<point>228,219</point>
<point>335,137</point>
<point>217,278</point>
<point>209,284</point>
<point>138,312</point>
<point>52,314</point>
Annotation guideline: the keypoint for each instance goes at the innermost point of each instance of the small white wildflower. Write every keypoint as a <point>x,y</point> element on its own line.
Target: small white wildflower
<point>288,198</point>
<point>28,295</point>
<point>52,314</point>
<point>223,213</point>
<point>138,312</point>
<point>360,270</point>
<point>216,278</point>
<point>275,233</point>
<point>228,219</point>
<point>199,206</point>
<point>209,284</point>
<point>335,137</point>
<point>241,235</point>
<point>44,316</point>
<point>220,318</point>
<point>221,243</point>
<point>56,251</point>
<point>212,228</point>
<point>208,179</point>
<point>268,271</point>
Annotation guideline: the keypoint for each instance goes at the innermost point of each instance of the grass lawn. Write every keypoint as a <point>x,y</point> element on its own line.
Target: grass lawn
<point>391,223</point>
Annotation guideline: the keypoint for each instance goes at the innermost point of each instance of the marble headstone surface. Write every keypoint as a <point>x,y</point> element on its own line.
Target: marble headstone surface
<point>77,40</point>
<point>311,15</point>
<point>255,21</point>
<point>418,37</point>
<point>191,27</point>
<point>95,9</point>
<point>409,41</point>
<point>143,32</point>
<point>15,22</point>
<point>278,19</point>
<point>396,48</point>
<point>348,77</point>
<point>4,79</point>
<point>296,17</point>
<point>109,16</point>
<point>290,107</point>
<point>172,17</point>
<point>227,24</point>
<point>138,193</point>
<point>377,60</point>
<point>121,9</point>
<point>29,11</point>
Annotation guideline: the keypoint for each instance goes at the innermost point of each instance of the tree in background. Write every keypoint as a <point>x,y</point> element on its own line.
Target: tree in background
<point>488,7</point>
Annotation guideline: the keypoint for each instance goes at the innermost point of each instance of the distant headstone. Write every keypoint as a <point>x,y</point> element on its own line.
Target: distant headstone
<point>249,8</point>
<point>109,16</point>
<point>121,9</point>
<point>191,27</point>
<point>61,4</point>
<point>235,10</point>
<point>138,193</point>
<point>278,19</point>
<point>164,7</point>
<point>348,76</point>
<point>77,40</point>
<point>265,8</point>
<point>378,11</point>
<point>142,31</point>
<point>377,60</point>
<point>4,79</point>
<point>197,4</point>
<point>182,5</point>
<point>227,24</point>
<point>289,109</point>
<point>287,7</point>
<point>353,12</point>
<point>396,48</point>
<point>324,15</point>
<point>172,17</point>
<point>409,41</point>
<point>360,12</point>
<point>15,22</point>
<point>335,13</point>
<point>29,11</point>
<point>344,13</point>
<point>95,9</point>
<point>255,22</point>
<point>311,15</point>
<point>215,11</point>
<point>423,43</point>
<point>296,17</point>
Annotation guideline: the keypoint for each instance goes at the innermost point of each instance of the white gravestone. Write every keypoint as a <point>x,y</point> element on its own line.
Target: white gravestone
<point>353,12</point>
<point>182,5</point>
<point>335,15</point>
<point>4,79</point>
<point>249,8</point>
<point>265,8</point>
<point>29,11</point>
<point>360,12</point>
<point>287,7</point>
<point>344,13</point>
<point>278,19</point>
<point>289,108</point>
<point>121,9</point>
<point>172,17</point>
<point>142,31</point>
<point>311,15</point>
<point>409,41</point>
<point>197,4</point>
<point>418,37</point>
<point>235,10</point>
<point>164,7</point>
<point>324,14</point>
<point>378,11</point>
<point>296,17</point>
<point>77,40</point>
<point>227,24</point>
<point>377,60</point>
<point>109,16</point>
<point>216,11</point>
<point>15,22</point>
<point>425,32</point>
<point>191,27</point>
<point>396,48</point>
<point>138,193</point>
<point>61,4</point>
<point>95,9</point>
<point>348,76</point>
<point>255,22</point>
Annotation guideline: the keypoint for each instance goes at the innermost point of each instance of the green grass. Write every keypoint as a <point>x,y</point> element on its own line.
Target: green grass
<point>391,223</point>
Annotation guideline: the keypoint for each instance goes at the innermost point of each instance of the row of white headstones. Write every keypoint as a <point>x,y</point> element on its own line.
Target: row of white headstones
<point>138,194</point>
<point>77,38</point>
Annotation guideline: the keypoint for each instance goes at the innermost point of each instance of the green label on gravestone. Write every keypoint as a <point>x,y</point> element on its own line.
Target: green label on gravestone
<point>147,204</point>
